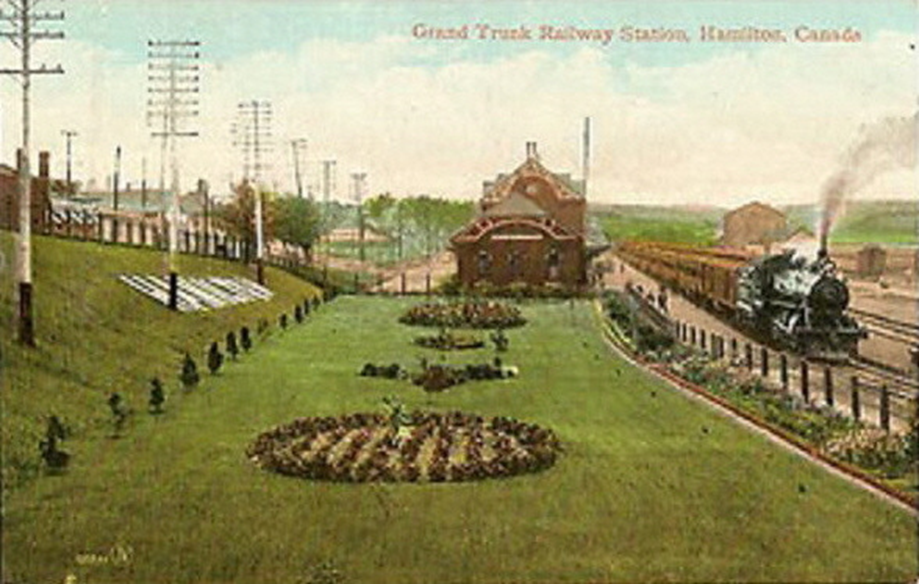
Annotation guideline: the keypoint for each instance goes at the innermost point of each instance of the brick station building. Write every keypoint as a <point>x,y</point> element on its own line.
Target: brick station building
<point>530,228</point>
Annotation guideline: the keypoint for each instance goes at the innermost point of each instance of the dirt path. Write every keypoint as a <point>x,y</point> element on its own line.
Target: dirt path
<point>439,266</point>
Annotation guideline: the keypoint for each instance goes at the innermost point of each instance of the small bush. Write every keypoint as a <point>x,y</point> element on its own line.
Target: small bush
<point>214,358</point>
<point>232,347</point>
<point>189,374</point>
<point>157,396</point>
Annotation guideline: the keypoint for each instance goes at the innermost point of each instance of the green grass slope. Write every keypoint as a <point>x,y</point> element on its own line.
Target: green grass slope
<point>655,223</point>
<point>96,336</point>
<point>651,487</point>
<point>890,222</point>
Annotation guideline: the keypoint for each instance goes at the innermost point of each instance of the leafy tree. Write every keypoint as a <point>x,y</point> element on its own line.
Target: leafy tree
<point>297,222</point>
<point>238,216</point>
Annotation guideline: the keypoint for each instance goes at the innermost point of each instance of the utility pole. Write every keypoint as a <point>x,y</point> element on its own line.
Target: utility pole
<point>328,178</point>
<point>172,74</point>
<point>359,179</point>
<point>69,135</point>
<point>203,193</point>
<point>143,184</point>
<point>115,179</point>
<point>295,146</point>
<point>585,152</point>
<point>254,138</point>
<point>21,18</point>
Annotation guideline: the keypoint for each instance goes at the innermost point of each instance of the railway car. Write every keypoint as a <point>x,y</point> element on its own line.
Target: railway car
<point>784,300</point>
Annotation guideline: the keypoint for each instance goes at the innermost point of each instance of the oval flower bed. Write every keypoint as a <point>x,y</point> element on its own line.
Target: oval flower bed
<point>434,447</point>
<point>447,341</point>
<point>479,315</point>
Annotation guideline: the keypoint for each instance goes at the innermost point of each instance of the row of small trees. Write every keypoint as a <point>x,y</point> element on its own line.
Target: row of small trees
<point>57,459</point>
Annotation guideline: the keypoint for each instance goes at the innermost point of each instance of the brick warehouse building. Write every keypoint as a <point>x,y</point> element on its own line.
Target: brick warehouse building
<point>40,198</point>
<point>530,229</point>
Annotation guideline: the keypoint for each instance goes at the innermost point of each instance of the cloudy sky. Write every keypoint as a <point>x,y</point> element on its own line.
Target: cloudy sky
<point>673,122</point>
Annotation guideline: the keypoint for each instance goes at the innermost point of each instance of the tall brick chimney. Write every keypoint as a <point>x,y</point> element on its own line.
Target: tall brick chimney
<point>44,163</point>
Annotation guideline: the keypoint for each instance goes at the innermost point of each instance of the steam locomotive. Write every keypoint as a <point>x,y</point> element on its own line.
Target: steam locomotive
<point>784,300</point>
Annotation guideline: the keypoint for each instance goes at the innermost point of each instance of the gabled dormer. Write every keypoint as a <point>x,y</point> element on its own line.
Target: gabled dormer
<point>559,196</point>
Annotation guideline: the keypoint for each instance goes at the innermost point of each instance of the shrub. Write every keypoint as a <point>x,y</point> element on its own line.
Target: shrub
<point>119,412</point>
<point>874,449</point>
<point>55,432</point>
<point>500,340</point>
<point>189,374</point>
<point>282,321</point>
<point>157,396</point>
<point>479,314</point>
<point>232,347</point>
<point>245,338</point>
<point>214,358</point>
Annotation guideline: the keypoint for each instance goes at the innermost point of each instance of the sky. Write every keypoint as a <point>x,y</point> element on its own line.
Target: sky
<point>691,123</point>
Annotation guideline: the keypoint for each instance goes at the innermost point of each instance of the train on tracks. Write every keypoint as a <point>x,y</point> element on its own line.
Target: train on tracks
<point>786,300</point>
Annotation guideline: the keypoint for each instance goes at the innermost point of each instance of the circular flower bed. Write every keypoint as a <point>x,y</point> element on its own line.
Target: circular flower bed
<point>479,315</point>
<point>434,447</point>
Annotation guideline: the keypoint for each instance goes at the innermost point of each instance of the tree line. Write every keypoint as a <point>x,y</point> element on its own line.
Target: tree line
<point>418,225</point>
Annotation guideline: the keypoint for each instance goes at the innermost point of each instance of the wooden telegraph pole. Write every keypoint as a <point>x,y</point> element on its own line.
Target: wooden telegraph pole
<point>22,17</point>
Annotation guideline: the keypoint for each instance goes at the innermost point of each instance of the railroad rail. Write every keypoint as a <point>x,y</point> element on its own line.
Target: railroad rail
<point>897,379</point>
<point>891,328</point>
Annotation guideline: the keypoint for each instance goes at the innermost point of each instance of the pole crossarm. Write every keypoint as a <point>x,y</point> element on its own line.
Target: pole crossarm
<point>172,72</point>
<point>22,36</point>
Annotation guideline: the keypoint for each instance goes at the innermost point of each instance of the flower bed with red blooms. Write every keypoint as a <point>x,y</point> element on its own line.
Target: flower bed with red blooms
<point>454,446</point>
<point>477,315</point>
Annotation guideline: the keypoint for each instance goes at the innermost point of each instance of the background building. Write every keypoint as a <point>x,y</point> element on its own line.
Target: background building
<point>753,224</point>
<point>530,229</point>
<point>41,195</point>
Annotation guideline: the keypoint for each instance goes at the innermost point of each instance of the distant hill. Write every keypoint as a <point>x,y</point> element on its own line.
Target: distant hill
<point>683,223</point>
<point>892,222</point>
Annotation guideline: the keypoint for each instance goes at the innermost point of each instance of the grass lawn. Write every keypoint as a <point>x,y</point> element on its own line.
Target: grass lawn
<point>652,486</point>
<point>679,229</point>
<point>95,335</point>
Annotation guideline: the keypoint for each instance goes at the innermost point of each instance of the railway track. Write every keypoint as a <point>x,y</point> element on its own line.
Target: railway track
<point>897,330</point>
<point>895,378</point>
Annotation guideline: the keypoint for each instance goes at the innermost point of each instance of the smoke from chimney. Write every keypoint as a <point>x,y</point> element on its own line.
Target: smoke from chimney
<point>880,147</point>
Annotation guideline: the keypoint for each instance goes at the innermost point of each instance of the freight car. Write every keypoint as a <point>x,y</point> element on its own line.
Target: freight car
<point>785,300</point>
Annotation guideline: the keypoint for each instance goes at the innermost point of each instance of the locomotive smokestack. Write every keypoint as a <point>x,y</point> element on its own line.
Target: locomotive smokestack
<point>824,246</point>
